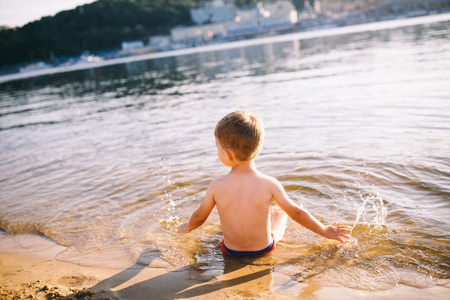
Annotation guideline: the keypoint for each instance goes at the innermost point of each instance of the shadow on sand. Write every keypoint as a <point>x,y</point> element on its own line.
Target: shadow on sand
<point>186,282</point>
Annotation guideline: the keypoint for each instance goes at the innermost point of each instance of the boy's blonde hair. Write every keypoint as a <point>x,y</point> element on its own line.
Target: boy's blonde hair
<point>241,132</point>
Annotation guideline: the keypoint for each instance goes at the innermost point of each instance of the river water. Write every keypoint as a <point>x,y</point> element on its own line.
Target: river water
<point>107,161</point>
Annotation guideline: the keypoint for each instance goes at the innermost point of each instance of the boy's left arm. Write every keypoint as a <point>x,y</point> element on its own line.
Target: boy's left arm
<point>201,214</point>
<point>304,218</point>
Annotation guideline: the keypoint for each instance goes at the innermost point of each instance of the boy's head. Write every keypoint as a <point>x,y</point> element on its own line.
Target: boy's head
<point>242,133</point>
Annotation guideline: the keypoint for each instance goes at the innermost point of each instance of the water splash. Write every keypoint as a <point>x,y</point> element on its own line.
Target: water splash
<point>372,204</point>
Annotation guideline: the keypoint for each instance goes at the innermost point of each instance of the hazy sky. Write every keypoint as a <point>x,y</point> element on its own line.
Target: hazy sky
<point>20,12</point>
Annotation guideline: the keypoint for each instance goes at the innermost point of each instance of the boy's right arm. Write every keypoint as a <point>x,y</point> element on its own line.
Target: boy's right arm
<point>304,218</point>
<point>201,214</point>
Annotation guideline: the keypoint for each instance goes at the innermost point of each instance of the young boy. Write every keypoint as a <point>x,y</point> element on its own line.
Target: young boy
<point>244,195</point>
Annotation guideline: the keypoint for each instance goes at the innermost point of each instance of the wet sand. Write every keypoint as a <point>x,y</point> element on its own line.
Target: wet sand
<point>30,270</point>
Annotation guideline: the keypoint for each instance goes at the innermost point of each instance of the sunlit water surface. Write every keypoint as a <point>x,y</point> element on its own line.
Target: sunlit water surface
<point>107,161</point>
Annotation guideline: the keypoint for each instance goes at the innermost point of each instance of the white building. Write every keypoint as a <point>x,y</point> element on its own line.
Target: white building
<point>197,33</point>
<point>245,22</point>
<point>215,11</point>
<point>264,17</point>
<point>126,46</point>
<point>277,15</point>
<point>159,41</point>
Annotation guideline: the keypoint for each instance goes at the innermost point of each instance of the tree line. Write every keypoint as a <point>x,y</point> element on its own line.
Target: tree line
<point>97,26</point>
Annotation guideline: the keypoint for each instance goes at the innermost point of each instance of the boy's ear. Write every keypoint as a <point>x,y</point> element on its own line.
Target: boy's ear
<point>229,154</point>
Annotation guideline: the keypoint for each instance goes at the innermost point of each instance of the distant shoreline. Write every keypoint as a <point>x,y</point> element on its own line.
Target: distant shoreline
<point>334,31</point>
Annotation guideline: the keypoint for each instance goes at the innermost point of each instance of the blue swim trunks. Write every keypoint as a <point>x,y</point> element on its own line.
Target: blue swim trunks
<point>248,253</point>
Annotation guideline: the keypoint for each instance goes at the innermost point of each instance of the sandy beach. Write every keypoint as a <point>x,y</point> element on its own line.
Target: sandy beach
<point>30,270</point>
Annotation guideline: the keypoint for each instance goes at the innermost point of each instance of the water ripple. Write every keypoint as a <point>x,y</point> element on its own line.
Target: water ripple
<point>107,161</point>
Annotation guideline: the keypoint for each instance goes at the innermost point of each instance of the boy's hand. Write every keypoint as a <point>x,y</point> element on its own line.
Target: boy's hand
<point>337,232</point>
<point>182,228</point>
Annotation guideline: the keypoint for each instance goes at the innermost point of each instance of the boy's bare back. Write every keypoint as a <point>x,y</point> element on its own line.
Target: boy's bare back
<point>243,199</point>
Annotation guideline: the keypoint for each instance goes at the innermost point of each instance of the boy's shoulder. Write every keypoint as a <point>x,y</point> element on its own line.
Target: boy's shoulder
<point>226,180</point>
<point>270,180</point>
<point>220,181</point>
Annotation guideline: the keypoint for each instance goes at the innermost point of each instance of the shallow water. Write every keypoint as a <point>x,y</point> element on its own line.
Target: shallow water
<point>107,161</point>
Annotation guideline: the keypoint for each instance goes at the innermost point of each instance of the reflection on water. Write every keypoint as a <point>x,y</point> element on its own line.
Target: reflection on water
<point>107,161</point>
